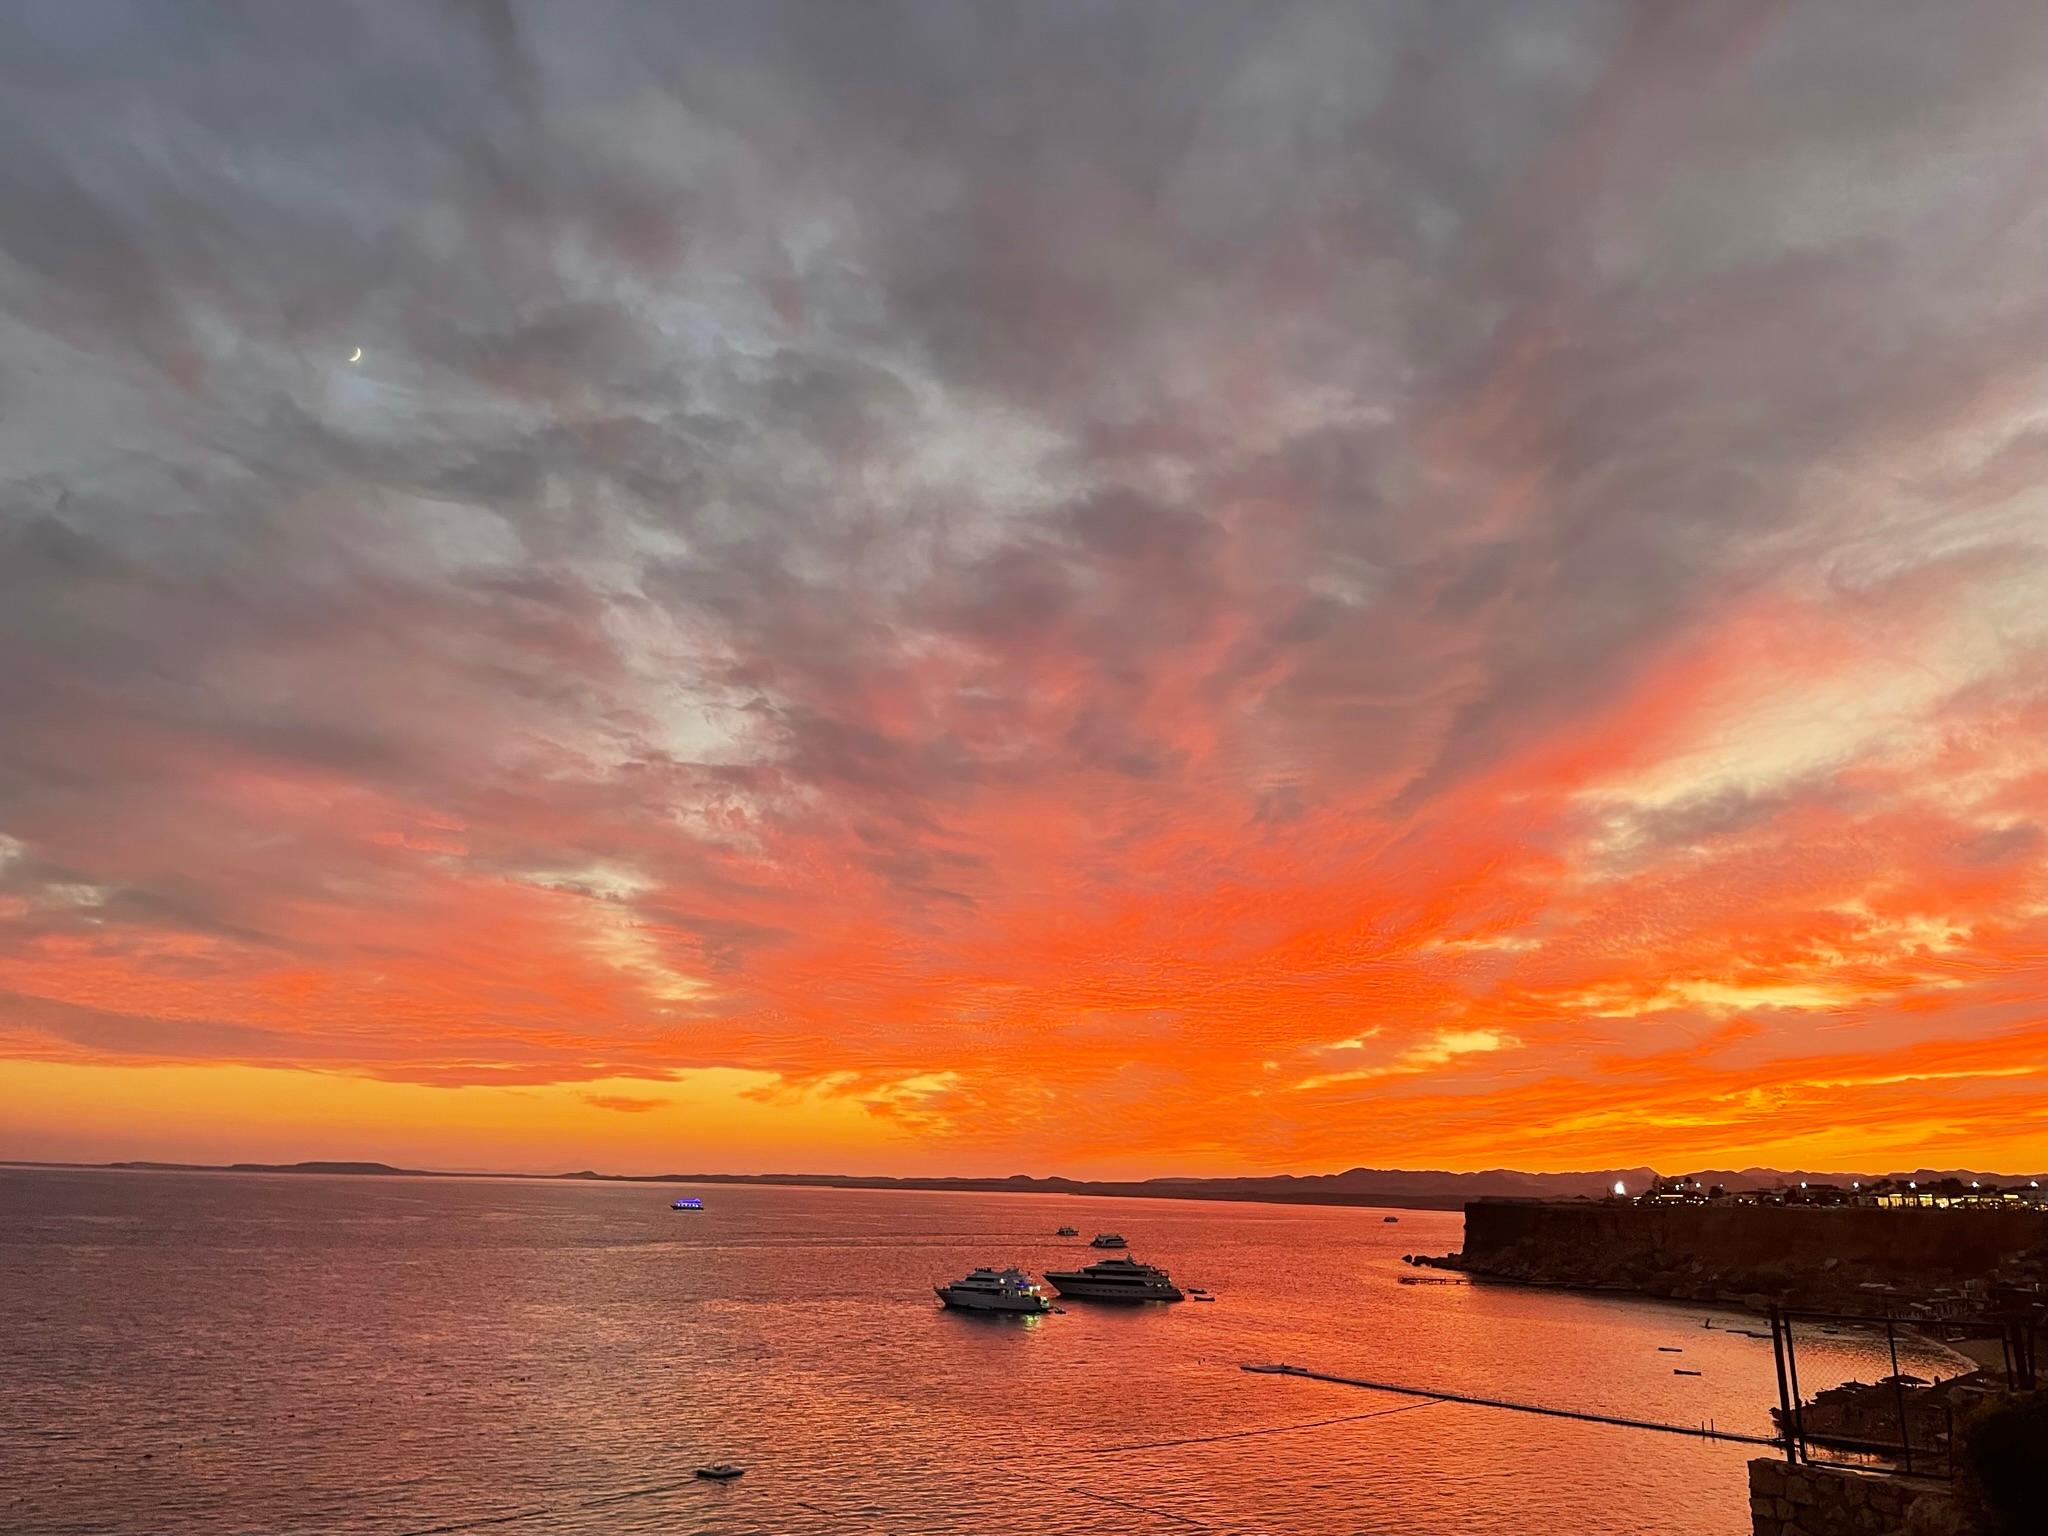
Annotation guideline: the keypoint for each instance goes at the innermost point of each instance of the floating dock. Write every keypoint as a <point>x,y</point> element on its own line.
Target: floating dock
<point>1695,1431</point>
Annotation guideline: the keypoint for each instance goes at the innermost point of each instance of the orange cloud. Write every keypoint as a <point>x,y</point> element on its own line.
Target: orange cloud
<point>625,1104</point>
<point>1296,623</point>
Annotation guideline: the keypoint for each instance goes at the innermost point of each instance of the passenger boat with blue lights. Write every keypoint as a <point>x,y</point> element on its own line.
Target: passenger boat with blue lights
<point>994,1290</point>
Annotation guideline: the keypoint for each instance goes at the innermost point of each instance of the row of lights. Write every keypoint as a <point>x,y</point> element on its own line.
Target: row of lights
<point>1622,1189</point>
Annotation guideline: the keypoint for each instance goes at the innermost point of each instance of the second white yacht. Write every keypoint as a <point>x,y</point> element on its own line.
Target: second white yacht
<point>994,1290</point>
<point>1118,1279</point>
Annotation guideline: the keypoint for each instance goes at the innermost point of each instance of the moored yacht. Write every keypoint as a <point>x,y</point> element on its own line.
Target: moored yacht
<point>1068,1232</point>
<point>1108,1240</point>
<point>1118,1279</point>
<point>994,1290</point>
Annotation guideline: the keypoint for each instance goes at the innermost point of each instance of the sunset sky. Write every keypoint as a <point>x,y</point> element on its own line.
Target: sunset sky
<point>1105,589</point>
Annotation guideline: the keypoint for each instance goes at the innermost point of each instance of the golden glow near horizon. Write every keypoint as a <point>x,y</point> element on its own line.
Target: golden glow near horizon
<point>1225,642</point>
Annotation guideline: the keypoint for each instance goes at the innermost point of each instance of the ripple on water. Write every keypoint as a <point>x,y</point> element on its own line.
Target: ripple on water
<point>378,1356</point>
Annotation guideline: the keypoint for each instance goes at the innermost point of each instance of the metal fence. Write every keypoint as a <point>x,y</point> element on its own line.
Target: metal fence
<point>1917,1438</point>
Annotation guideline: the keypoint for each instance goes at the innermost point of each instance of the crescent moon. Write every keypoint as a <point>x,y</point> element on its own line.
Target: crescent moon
<point>356,356</point>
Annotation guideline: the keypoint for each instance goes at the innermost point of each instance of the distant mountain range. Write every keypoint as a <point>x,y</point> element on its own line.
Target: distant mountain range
<point>1412,1188</point>
<point>1358,1186</point>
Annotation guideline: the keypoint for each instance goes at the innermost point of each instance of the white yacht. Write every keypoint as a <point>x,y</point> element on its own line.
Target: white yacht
<point>994,1290</point>
<point>1108,1240</point>
<point>1118,1279</point>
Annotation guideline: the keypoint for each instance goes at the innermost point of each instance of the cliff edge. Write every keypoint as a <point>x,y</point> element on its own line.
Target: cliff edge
<point>1794,1256</point>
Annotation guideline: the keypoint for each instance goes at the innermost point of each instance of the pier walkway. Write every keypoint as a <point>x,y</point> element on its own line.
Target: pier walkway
<point>1696,1431</point>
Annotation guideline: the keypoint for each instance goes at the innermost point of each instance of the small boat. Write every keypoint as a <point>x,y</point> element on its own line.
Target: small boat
<point>1108,1240</point>
<point>1390,1220</point>
<point>1669,1349</point>
<point>994,1290</point>
<point>689,1203</point>
<point>1068,1232</point>
<point>1679,1370</point>
<point>722,1471</point>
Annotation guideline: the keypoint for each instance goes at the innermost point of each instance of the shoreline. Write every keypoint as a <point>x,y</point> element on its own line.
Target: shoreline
<point>1191,1190</point>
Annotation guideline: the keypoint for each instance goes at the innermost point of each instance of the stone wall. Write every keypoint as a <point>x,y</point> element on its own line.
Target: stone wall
<point>1804,1255</point>
<point>1789,1500</point>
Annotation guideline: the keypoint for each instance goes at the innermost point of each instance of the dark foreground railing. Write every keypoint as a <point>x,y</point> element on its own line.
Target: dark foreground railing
<point>1925,1443</point>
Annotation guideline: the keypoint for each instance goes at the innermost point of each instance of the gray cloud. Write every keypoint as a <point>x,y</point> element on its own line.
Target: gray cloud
<point>796,426</point>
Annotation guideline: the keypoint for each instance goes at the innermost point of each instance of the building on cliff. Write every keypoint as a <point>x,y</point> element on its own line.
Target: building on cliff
<point>1931,1194</point>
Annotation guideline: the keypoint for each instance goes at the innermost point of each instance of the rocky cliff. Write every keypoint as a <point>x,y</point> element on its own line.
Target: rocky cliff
<point>1787,1254</point>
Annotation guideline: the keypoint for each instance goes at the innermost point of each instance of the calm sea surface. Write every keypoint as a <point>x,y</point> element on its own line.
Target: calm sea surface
<point>293,1354</point>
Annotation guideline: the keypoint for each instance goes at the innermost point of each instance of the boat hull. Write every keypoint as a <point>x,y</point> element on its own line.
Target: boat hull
<point>983,1301</point>
<point>1081,1288</point>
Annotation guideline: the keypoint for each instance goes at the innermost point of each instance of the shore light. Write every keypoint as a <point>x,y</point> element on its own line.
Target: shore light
<point>1620,1188</point>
